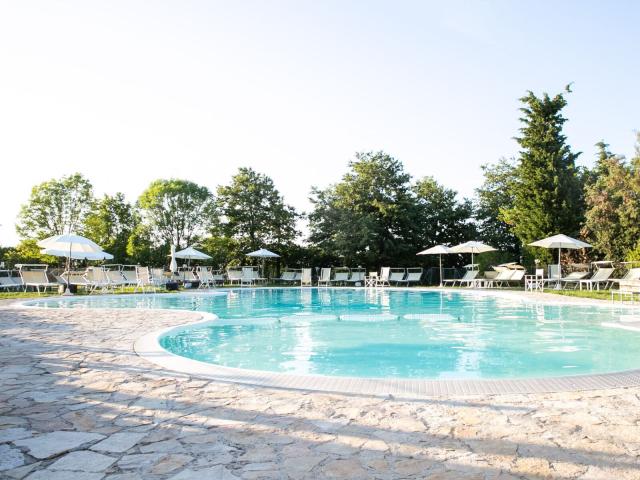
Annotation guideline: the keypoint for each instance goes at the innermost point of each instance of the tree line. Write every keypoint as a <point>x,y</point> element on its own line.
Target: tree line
<point>376,214</point>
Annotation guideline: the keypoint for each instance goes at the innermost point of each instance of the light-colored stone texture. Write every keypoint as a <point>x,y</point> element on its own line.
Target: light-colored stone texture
<point>11,434</point>
<point>54,443</point>
<point>218,473</point>
<point>118,442</point>
<point>61,475</point>
<point>121,406</point>
<point>84,460</point>
<point>170,463</point>
<point>10,458</point>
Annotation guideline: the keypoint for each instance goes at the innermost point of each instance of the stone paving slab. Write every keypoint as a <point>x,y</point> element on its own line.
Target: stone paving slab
<point>76,396</point>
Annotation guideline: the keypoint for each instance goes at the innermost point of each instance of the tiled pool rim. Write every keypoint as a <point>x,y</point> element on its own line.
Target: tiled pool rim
<point>149,348</point>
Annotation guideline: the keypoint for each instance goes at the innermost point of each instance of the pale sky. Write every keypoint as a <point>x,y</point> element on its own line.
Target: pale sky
<point>128,92</point>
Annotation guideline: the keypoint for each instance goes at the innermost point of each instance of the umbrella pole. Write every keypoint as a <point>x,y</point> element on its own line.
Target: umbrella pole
<point>559,284</point>
<point>67,291</point>
<point>440,256</point>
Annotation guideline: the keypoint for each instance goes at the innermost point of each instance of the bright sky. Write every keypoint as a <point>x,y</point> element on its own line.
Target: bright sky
<point>127,92</point>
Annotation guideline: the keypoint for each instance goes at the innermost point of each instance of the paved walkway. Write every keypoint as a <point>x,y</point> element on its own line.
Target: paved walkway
<point>77,403</point>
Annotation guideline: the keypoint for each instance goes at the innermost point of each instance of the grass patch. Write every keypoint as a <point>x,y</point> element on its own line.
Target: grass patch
<point>596,294</point>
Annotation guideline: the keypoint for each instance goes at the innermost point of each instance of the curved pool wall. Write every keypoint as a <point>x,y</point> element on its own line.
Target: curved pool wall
<point>409,336</point>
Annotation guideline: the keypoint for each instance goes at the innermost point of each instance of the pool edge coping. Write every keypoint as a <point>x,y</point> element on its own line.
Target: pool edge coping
<point>148,347</point>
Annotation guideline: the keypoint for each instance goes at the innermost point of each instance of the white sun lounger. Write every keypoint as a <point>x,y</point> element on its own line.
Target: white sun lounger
<point>397,275</point>
<point>288,276</point>
<point>414,275</point>
<point>341,276</point>
<point>144,280</point>
<point>35,276</point>
<point>357,276</point>
<point>8,281</point>
<point>601,276</point>
<point>469,275</point>
<point>306,278</point>
<point>97,278</point>
<point>574,278</point>
<point>325,277</point>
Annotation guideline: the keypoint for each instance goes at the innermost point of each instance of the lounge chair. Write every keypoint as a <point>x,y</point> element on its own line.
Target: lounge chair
<point>129,274</point>
<point>554,275</point>
<point>247,277</point>
<point>601,276</point>
<point>256,275</point>
<point>574,278</point>
<point>501,277</point>
<point>383,279</point>
<point>8,281</point>
<point>516,277</point>
<point>397,275</point>
<point>144,280</point>
<point>234,275</point>
<point>75,277</point>
<point>325,277</point>
<point>632,274</point>
<point>469,275</point>
<point>189,277</point>
<point>205,276</point>
<point>35,276</point>
<point>356,277</point>
<point>116,279</point>
<point>306,278</point>
<point>340,276</point>
<point>288,276</point>
<point>97,278</point>
<point>218,277</point>
<point>414,275</point>
<point>159,277</point>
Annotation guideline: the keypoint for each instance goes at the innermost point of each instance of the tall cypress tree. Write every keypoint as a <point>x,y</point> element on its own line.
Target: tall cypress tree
<point>547,190</point>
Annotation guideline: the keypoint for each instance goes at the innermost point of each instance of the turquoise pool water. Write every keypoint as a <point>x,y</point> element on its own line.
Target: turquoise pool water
<point>391,333</point>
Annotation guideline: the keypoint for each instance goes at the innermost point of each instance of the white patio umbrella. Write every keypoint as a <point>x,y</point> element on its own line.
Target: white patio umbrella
<point>473,248</point>
<point>71,243</point>
<point>264,254</point>
<point>68,245</point>
<point>191,253</point>
<point>78,255</point>
<point>560,241</point>
<point>437,250</point>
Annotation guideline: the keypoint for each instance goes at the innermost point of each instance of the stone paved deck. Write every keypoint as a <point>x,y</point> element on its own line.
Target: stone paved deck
<point>77,403</point>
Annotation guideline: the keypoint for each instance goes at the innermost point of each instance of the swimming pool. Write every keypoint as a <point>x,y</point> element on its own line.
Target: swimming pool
<point>388,333</point>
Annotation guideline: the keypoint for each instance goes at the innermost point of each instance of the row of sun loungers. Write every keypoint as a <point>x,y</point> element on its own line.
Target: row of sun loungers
<point>510,277</point>
<point>110,277</point>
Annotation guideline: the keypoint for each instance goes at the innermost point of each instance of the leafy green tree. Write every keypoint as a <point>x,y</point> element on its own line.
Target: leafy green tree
<point>367,217</point>
<point>56,207</point>
<point>547,187</point>
<point>439,217</point>
<point>110,224</point>
<point>254,214</point>
<point>143,250</point>
<point>223,251</point>
<point>27,251</point>
<point>612,197</point>
<point>493,198</point>
<point>176,212</point>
